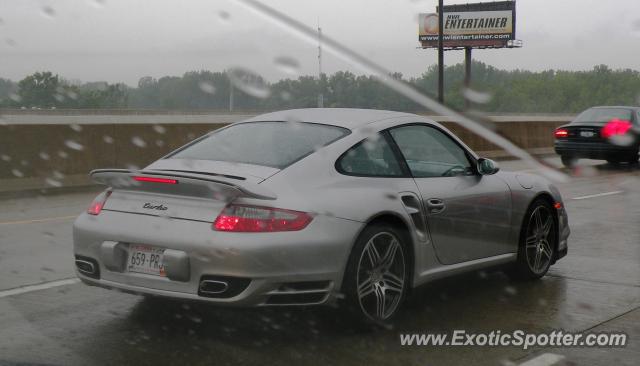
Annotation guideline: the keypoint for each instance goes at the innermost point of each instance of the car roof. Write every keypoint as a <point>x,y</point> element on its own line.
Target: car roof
<point>615,107</point>
<point>344,117</point>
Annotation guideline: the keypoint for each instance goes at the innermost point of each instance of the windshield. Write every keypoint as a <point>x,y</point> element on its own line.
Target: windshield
<point>603,115</point>
<point>273,144</point>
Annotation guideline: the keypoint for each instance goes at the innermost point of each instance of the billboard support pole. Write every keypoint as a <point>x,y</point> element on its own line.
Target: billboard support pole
<point>440,51</point>
<point>467,73</point>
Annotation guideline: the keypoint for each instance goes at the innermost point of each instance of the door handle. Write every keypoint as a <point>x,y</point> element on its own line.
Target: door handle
<point>435,205</point>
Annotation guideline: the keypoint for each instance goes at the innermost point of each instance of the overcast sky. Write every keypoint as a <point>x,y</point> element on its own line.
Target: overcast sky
<point>123,40</point>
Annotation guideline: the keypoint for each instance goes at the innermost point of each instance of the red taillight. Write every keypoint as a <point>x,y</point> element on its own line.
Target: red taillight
<point>155,180</point>
<point>615,127</point>
<point>561,133</point>
<point>98,203</point>
<point>557,205</point>
<point>257,219</point>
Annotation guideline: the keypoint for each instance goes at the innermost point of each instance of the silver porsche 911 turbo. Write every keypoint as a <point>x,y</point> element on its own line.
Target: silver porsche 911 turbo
<point>316,206</point>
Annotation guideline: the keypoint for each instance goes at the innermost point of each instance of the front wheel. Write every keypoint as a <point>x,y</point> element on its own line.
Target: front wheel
<point>538,242</point>
<point>377,276</point>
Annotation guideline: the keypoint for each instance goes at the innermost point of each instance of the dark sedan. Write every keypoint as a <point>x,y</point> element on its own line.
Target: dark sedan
<point>607,133</point>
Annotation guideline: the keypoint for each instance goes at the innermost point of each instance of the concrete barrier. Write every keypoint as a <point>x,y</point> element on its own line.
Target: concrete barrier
<point>41,150</point>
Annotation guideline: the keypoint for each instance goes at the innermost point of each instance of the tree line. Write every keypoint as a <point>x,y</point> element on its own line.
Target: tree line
<point>500,91</point>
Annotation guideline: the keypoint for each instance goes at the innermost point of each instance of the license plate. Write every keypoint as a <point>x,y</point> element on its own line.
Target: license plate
<point>587,133</point>
<point>146,259</point>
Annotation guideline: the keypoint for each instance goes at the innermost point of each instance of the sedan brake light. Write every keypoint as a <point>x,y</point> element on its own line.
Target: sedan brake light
<point>615,127</point>
<point>255,219</point>
<point>98,203</point>
<point>561,133</point>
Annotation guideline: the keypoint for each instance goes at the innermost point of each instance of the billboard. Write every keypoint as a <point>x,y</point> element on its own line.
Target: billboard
<point>483,25</point>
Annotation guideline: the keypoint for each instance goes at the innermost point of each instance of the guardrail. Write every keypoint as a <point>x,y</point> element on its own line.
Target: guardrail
<point>40,150</point>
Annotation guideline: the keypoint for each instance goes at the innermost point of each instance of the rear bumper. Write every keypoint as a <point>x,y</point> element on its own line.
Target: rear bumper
<point>593,150</point>
<point>288,268</point>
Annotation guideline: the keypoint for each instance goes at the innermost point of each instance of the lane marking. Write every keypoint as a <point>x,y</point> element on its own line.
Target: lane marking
<point>38,287</point>
<point>597,195</point>
<point>38,220</point>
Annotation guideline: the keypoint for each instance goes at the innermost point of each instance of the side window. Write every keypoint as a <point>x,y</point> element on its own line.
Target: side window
<point>431,153</point>
<point>371,157</point>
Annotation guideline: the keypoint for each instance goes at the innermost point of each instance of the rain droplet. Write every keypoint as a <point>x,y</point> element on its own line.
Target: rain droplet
<point>74,145</point>
<point>159,143</point>
<point>76,127</point>
<point>476,96</point>
<point>5,157</point>
<point>63,154</point>
<point>159,129</point>
<point>285,95</point>
<point>72,95</point>
<point>17,173</point>
<point>52,182</point>
<point>138,141</point>
<point>635,27</point>
<point>59,97</point>
<point>249,82</point>
<point>107,139</point>
<point>57,175</point>
<point>207,87</point>
<point>288,65</point>
<point>48,11</point>
<point>224,16</point>
<point>15,97</point>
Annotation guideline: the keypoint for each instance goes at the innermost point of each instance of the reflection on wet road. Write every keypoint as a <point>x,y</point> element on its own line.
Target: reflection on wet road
<point>597,286</point>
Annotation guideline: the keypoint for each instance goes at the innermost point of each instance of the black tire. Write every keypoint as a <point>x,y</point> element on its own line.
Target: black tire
<point>568,161</point>
<point>538,243</point>
<point>388,281</point>
<point>614,161</point>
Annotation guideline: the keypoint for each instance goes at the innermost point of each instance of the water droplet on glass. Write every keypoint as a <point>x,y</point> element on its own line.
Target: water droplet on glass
<point>159,143</point>
<point>138,141</point>
<point>57,175</point>
<point>59,97</point>
<point>17,173</point>
<point>63,154</point>
<point>285,95</point>
<point>635,27</point>
<point>476,96</point>
<point>48,11</point>
<point>72,95</point>
<point>15,97</point>
<point>159,129</point>
<point>24,162</point>
<point>288,65</point>
<point>52,182</point>
<point>207,87</point>
<point>76,127</point>
<point>74,145</point>
<point>249,82</point>
<point>224,16</point>
<point>107,139</point>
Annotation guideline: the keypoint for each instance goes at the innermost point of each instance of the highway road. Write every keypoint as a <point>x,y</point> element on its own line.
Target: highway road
<point>47,317</point>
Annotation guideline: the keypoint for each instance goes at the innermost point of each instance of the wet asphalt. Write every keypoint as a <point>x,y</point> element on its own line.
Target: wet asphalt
<point>595,288</point>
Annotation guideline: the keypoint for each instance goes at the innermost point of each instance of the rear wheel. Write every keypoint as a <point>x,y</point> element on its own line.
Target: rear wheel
<point>568,161</point>
<point>538,242</point>
<point>377,275</point>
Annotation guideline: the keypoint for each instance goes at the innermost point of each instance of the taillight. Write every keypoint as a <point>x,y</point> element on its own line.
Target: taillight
<point>615,127</point>
<point>256,219</point>
<point>98,203</point>
<point>561,133</point>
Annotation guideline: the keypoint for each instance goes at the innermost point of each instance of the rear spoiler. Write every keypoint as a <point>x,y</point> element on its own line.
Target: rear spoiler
<point>182,183</point>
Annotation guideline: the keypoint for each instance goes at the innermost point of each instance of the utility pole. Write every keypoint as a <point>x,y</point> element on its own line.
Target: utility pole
<point>230,96</point>
<point>441,51</point>
<point>320,79</point>
<point>467,73</point>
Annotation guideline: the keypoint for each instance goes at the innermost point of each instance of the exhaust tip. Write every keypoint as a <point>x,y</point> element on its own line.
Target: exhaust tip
<point>213,287</point>
<point>87,266</point>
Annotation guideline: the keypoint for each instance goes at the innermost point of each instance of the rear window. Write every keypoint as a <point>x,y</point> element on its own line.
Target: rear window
<point>273,144</point>
<point>603,115</point>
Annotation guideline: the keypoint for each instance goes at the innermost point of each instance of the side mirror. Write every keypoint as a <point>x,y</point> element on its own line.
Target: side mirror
<point>487,166</point>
